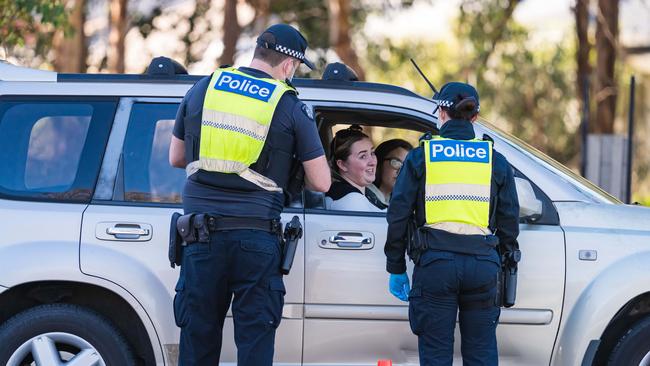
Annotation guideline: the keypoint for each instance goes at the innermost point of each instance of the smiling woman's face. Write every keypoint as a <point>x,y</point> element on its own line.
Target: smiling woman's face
<point>360,166</point>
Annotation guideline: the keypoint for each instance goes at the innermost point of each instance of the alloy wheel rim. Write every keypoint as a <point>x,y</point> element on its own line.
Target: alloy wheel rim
<point>54,349</point>
<point>646,360</point>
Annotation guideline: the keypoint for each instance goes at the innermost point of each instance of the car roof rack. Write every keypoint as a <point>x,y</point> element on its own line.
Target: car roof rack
<point>339,71</point>
<point>164,66</point>
<point>172,72</point>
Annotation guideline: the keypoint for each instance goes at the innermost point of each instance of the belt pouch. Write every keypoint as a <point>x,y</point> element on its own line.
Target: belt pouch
<point>186,229</point>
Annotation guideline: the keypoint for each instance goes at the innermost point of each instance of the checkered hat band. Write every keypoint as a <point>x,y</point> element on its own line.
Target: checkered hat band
<point>449,104</point>
<point>290,52</point>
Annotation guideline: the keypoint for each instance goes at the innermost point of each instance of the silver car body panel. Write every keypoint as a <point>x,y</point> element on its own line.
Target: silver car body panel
<point>54,251</point>
<point>597,290</point>
<point>9,72</point>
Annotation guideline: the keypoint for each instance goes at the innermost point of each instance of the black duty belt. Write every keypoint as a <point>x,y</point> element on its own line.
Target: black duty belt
<point>216,223</point>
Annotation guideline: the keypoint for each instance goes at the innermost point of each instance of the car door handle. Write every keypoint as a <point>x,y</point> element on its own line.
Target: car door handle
<point>351,240</point>
<point>122,231</point>
<point>129,231</point>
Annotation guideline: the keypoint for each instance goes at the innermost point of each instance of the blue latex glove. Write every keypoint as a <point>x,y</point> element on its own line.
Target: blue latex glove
<point>398,284</point>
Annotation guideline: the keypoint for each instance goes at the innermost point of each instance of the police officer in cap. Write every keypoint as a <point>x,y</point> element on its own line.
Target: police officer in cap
<point>462,195</point>
<point>238,133</point>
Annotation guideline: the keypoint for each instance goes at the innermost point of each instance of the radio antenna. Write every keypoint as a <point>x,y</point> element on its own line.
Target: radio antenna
<point>433,88</point>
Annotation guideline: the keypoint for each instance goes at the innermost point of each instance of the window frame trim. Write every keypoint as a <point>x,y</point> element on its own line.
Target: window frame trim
<point>107,181</point>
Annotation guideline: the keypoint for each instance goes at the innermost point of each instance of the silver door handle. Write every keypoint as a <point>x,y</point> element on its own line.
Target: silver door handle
<point>350,241</point>
<point>127,232</point>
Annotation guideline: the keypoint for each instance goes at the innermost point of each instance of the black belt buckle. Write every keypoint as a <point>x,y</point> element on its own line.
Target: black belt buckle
<point>276,227</point>
<point>212,223</point>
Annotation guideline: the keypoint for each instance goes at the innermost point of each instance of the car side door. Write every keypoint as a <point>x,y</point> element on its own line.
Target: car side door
<point>351,318</point>
<point>125,230</point>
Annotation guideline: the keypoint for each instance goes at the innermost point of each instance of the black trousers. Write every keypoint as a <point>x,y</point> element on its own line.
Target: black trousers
<point>241,266</point>
<point>448,285</point>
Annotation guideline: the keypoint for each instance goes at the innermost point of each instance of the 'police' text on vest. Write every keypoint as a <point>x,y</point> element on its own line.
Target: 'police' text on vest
<point>249,87</point>
<point>452,150</point>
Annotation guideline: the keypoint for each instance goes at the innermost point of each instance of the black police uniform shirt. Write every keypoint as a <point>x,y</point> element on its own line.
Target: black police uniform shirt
<point>408,194</point>
<point>228,194</point>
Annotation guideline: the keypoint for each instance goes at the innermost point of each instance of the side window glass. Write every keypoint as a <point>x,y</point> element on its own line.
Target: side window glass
<point>54,149</point>
<point>363,180</point>
<point>549,215</point>
<point>148,177</point>
<point>51,150</point>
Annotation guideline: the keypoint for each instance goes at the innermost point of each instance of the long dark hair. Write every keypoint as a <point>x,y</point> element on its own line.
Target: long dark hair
<point>341,146</point>
<point>382,152</point>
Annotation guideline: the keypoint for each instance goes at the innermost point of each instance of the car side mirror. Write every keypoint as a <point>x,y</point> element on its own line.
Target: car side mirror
<point>530,208</point>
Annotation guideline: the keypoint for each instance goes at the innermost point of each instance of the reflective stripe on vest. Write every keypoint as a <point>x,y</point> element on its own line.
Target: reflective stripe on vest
<point>237,113</point>
<point>458,177</point>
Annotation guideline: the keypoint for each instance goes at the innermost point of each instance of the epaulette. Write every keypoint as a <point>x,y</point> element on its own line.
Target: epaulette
<point>487,137</point>
<point>426,136</point>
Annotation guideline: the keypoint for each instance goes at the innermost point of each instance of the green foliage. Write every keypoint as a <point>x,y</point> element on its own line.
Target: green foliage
<point>388,61</point>
<point>312,18</point>
<point>525,88</point>
<point>20,19</point>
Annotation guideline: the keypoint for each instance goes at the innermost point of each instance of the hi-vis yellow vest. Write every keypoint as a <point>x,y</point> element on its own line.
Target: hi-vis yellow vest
<point>237,113</point>
<point>458,176</point>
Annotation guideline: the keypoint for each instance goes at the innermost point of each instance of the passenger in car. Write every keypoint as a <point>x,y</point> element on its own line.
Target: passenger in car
<point>390,157</point>
<point>353,162</point>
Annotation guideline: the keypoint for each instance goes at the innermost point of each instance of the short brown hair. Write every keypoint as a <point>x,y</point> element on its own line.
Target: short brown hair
<point>268,55</point>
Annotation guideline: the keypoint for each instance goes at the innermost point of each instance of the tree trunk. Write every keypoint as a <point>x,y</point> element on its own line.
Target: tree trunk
<point>582,55</point>
<point>339,21</point>
<point>70,52</point>
<point>118,24</point>
<point>262,13</point>
<point>231,32</point>
<point>606,47</point>
<point>201,7</point>
<point>498,33</point>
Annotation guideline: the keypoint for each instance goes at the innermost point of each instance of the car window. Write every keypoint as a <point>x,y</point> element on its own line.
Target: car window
<point>51,149</point>
<point>380,126</point>
<point>582,185</point>
<point>147,175</point>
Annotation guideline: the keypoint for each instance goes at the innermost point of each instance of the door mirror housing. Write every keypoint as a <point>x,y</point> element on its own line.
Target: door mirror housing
<point>530,208</point>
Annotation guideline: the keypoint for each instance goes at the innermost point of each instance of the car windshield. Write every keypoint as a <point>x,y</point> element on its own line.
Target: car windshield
<point>577,180</point>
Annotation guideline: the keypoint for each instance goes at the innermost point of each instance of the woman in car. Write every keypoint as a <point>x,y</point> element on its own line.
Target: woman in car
<point>353,163</point>
<point>390,156</point>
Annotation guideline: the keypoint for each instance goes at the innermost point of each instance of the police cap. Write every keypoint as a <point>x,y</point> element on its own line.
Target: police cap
<point>287,40</point>
<point>452,94</point>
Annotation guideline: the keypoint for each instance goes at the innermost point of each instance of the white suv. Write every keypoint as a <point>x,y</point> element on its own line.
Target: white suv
<point>86,195</point>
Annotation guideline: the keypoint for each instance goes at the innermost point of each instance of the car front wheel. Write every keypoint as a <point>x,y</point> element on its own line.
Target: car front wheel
<point>62,334</point>
<point>634,346</point>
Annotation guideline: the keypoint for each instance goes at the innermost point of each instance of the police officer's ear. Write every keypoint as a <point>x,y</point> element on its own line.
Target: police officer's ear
<point>288,66</point>
<point>442,115</point>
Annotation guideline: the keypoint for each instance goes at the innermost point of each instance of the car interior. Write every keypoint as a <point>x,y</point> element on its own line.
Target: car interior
<point>379,125</point>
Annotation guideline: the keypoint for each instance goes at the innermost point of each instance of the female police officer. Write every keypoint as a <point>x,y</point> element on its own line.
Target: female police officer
<point>462,194</point>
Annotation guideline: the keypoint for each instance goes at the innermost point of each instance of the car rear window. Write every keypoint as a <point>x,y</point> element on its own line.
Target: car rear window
<point>51,149</point>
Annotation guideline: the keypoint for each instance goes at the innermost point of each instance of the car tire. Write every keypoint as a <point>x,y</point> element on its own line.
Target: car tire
<point>634,346</point>
<point>62,331</point>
